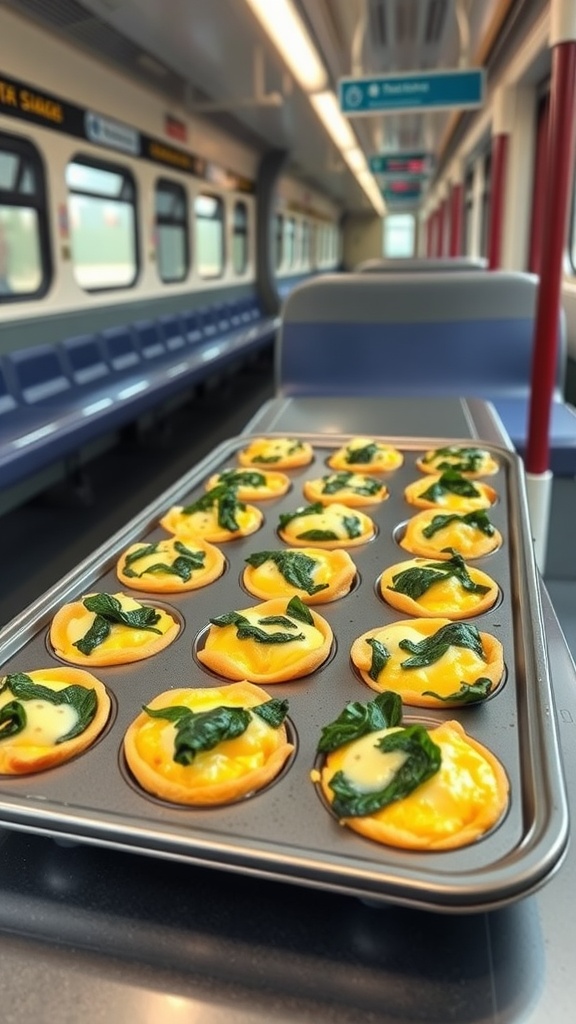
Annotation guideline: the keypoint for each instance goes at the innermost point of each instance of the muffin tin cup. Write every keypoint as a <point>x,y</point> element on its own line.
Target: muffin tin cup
<point>284,832</point>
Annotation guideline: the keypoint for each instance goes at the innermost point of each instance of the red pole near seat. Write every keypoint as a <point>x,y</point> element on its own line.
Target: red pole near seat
<point>457,202</point>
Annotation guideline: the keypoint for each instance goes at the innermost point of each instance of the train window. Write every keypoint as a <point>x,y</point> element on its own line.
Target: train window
<point>305,242</point>
<point>102,209</point>
<point>209,212</point>
<point>24,249</point>
<point>399,235</point>
<point>240,238</point>
<point>172,251</point>
<point>278,240</point>
<point>289,242</point>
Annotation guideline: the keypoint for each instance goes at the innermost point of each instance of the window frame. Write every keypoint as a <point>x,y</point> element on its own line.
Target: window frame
<point>167,220</point>
<point>37,200</point>
<point>219,200</point>
<point>126,173</point>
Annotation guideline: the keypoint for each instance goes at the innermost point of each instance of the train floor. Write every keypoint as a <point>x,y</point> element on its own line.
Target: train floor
<point>47,537</point>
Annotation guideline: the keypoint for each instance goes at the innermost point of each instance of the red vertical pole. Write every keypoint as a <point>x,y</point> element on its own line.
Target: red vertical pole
<point>560,167</point>
<point>457,203</point>
<point>497,199</point>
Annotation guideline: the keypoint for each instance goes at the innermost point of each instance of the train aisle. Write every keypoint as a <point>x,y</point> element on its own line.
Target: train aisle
<point>46,538</point>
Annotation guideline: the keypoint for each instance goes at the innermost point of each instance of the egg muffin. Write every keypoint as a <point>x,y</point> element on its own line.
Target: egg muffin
<point>410,787</point>
<point>218,516</point>
<point>170,566</point>
<point>435,534</point>
<point>450,490</point>
<point>276,452</point>
<point>315,575</point>
<point>351,489</point>
<point>467,460</point>
<point>327,526</point>
<point>110,629</point>
<point>272,642</point>
<point>252,484</point>
<point>205,747</point>
<point>430,662</point>
<point>448,588</point>
<point>49,716</point>
<point>365,455</point>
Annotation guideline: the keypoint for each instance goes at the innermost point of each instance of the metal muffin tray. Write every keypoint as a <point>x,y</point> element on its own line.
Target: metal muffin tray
<point>285,832</point>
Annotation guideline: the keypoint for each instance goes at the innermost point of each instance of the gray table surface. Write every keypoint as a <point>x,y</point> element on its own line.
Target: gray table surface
<point>95,935</point>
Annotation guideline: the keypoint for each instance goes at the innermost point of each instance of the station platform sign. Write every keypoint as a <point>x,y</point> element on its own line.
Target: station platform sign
<point>458,88</point>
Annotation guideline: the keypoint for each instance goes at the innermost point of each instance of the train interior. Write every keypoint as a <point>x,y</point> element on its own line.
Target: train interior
<point>174,182</point>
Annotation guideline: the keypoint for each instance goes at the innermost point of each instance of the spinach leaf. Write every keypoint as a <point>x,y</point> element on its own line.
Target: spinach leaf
<point>197,731</point>
<point>358,719</point>
<point>304,510</point>
<point>318,535</point>
<point>135,556</point>
<point>380,656</point>
<point>467,693</point>
<point>414,582</point>
<point>81,698</point>
<point>299,610</point>
<point>450,482</point>
<point>245,630</point>
<point>423,760</point>
<point>341,481</point>
<point>463,460</point>
<point>12,719</point>
<point>242,477</point>
<point>478,519</point>
<point>108,611</point>
<point>226,502</point>
<point>295,567</point>
<point>432,648</point>
<point>359,455</point>
<point>182,566</point>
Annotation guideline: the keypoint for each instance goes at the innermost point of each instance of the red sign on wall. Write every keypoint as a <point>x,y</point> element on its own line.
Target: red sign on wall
<point>175,129</point>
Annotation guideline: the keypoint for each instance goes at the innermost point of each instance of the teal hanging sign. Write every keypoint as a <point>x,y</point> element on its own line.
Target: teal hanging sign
<point>426,90</point>
<point>402,165</point>
<point>402,192</point>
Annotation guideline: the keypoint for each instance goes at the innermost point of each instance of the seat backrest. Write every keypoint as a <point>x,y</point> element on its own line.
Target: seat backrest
<point>38,373</point>
<point>7,399</point>
<point>433,263</point>
<point>173,331</point>
<point>84,359</point>
<point>120,348</point>
<point>149,340</point>
<point>467,334</point>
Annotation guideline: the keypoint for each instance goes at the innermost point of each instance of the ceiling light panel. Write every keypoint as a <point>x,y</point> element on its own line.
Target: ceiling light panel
<point>284,26</point>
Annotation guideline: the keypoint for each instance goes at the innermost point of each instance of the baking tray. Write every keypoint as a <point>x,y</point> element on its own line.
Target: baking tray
<point>285,832</point>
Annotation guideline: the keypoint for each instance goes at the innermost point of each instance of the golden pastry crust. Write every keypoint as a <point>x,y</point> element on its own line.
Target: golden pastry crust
<point>332,571</point>
<point>276,453</point>
<point>348,527</point>
<point>365,455</point>
<point>471,462</point>
<point>35,748</point>
<point>479,495</point>
<point>351,489</point>
<point>201,562</point>
<point>446,596</point>
<point>458,664</point>
<point>234,658</point>
<point>232,770</point>
<point>123,645</point>
<point>460,534</point>
<point>209,523</point>
<point>437,815</point>
<point>252,484</point>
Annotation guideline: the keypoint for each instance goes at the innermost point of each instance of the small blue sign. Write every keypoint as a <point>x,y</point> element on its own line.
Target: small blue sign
<point>428,90</point>
<point>413,166</point>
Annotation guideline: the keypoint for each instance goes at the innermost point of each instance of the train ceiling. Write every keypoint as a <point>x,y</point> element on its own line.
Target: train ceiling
<point>199,52</point>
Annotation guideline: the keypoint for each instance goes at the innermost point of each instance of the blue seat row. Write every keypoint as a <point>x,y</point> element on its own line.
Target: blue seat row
<point>55,398</point>
<point>459,333</point>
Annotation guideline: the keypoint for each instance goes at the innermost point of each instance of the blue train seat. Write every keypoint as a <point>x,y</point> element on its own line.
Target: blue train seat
<point>38,374</point>
<point>149,341</point>
<point>121,349</point>
<point>84,358</point>
<point>173,332</point>
<point>459,333</point>
<point>193,327</point>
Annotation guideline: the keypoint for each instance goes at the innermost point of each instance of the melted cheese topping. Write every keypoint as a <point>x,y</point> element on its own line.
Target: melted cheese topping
<point>456,806</point>
<point>274,485</point>
<point>331,518</point>
<point>467,540</point>
<point>166,553</point>
<point>449,501</point>
<point>231,769</point>
<point>276,452</point>
<point>335,569</point>
<point>384,459</point>
<point>123,643</point>
<point>45,722</point>
<point>444,676</point>
<point>446,596</point>
<point>431,461</point>
<point>349,495</point>
<point>233,658</point>
<point>205,523</point>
